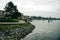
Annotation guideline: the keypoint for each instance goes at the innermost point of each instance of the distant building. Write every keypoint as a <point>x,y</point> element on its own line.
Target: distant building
<point>22,16</point>
<point>1,13</point>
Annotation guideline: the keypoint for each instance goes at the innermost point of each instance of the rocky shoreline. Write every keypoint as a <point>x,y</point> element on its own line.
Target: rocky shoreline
<point>16,33</point>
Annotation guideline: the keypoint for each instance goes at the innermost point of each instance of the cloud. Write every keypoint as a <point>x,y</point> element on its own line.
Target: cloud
<point>42,5</point>
<point>32,6</point>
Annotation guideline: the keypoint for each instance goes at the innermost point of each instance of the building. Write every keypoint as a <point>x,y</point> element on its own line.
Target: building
<point>1,13</point>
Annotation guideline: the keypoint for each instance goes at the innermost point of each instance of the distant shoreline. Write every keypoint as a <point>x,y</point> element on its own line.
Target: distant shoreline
<point>44,18</point>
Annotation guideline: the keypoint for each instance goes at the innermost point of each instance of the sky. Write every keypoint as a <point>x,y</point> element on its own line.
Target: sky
<point>45,8</point>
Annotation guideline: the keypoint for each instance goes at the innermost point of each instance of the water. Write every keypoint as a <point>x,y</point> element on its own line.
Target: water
<point>44,31</point>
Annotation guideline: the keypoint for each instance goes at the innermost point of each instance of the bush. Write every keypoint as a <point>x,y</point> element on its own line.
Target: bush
<point>9,20</point>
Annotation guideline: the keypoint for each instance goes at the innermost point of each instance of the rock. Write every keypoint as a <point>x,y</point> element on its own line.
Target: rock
<point>16,33</point>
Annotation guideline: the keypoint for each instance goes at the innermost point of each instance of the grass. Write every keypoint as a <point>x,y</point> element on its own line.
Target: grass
<point>3,27</point>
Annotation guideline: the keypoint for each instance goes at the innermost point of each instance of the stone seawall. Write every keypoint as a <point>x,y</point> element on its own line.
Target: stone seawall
<point>16,33</point>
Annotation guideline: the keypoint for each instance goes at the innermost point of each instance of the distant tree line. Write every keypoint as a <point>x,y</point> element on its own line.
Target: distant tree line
<point>43,18</point>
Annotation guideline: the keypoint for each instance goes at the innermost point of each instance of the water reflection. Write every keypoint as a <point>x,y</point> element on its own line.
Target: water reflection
<point>49,20</point>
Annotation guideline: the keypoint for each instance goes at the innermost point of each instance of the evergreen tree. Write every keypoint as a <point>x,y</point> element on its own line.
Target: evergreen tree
<point>9,7</point>
<point>11,11</point>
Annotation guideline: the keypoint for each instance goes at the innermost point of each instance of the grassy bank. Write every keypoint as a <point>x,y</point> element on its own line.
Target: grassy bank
<point>3,27</point>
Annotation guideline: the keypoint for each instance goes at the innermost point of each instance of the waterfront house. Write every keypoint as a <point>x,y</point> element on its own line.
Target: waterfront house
<point>1,13</point>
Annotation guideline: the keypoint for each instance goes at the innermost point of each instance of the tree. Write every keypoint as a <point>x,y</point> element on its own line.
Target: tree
<point>16,14</point>
<point>11,11</point>
<point>9,7</point>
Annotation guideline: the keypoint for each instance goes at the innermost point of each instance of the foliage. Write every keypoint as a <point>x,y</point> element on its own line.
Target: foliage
<point>9,7</point>
<point>11,11</point>
<point>9,20</point>
<point>26,24</point>
<point>16,14</point>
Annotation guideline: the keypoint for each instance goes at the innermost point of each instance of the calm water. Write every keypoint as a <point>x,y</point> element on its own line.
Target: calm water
<point>44,31</point>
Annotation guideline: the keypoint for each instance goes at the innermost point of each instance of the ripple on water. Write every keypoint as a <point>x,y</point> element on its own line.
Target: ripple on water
<point>44,31</point>
<point>41,36</point>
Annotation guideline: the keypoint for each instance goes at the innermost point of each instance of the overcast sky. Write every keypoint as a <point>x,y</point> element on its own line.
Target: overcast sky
<point>44,8</point>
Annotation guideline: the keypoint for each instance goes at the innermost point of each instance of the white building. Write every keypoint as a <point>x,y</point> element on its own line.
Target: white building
<point>1,13</point>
